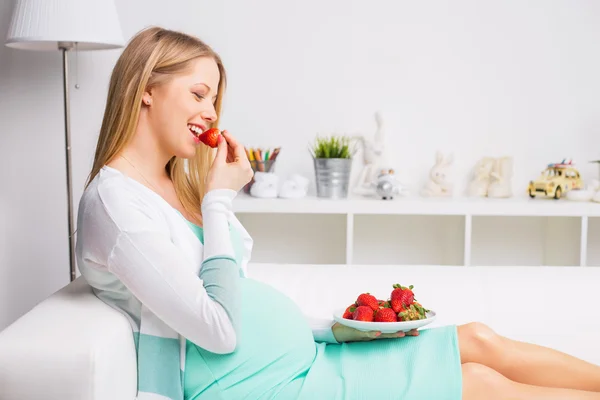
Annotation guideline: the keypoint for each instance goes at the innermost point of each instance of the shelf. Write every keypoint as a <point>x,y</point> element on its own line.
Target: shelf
<point>526,241</point>
<point>516,206</point>
<point>423,231</point>
<point>291,238</point>
<point>408,239</point>
<point>593,242</point>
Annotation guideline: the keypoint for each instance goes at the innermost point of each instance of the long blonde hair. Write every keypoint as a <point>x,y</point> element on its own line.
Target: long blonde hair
<point>153,56</point>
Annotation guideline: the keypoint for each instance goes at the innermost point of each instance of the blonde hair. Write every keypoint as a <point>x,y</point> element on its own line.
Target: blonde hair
<point>151,58</point>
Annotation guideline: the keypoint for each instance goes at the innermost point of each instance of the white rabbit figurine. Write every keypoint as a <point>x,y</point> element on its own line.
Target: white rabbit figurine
<point>375,158</point>
<point>265,185</point>
<point>478,187</point>
<point>439,183</point>
<point>294,188</point>
<point>501,186</point>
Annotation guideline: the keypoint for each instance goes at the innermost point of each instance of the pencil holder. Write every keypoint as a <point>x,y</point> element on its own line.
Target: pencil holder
<point>259,166</point>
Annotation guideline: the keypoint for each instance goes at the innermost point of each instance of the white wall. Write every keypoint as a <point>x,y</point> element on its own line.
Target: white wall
<point>33,256</point>
<point>476,78</point>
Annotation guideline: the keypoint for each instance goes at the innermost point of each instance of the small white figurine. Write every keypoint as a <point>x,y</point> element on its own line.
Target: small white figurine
<point>590,193</point>
<point>265,185</point>
<point>387,186</point>
<point>294,188</point>
<point>375,158</point>
<point>439,183</point>
<point>478,187</point>
<point>501,184</point>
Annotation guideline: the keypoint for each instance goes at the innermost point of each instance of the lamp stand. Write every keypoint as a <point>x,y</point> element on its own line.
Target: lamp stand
<point>65,47</point>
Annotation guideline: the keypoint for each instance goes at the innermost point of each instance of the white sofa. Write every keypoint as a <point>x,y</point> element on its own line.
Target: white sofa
<point>73,347</point>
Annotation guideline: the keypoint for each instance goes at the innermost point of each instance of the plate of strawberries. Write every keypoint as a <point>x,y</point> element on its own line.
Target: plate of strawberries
<point>400,312</point>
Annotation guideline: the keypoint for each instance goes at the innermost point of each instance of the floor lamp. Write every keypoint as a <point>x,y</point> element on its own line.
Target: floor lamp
<point>64,25</point>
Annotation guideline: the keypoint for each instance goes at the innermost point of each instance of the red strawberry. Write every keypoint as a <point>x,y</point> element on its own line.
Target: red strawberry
<point>422,311</point>
<point>363,313</point>
<point>348,313</point>
<point>369,300</point>
<point>395,299</point>
<point>403,315</point>
<point>210,137</point>
<point>383,304</point>
<point>401,297</point>
<point>385,315</point>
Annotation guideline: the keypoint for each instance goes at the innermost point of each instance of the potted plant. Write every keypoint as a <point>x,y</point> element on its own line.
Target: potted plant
<point>332,159</point>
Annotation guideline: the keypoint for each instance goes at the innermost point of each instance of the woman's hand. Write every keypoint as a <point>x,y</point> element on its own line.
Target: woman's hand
<point>344,333</point>
<point>231,168</point>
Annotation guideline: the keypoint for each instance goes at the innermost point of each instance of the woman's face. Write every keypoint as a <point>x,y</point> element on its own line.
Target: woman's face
<point>184,103</point>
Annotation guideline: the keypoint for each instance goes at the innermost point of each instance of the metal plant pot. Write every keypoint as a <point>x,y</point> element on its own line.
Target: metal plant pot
<point>333,177</point>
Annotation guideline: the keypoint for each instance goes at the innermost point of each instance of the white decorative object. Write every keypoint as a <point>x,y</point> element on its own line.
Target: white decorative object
<point>439,183</point>
<point>295,187</point>
<point>265,185</point>
<point>478,187</point>
<point>580,194</point>
<point>375,158</point>
<point>64,25</point>
<point>501,183</point>
<point>594,186</point>
<point>388,186</point>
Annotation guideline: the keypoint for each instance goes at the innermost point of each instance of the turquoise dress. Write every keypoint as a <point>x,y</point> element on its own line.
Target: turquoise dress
<point>277,358</point>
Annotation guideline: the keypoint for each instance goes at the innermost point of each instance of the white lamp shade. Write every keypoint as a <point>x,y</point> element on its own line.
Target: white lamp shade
<point>43,24</point>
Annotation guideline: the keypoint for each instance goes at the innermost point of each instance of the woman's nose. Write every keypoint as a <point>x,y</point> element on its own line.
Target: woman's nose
<point>209,115</point>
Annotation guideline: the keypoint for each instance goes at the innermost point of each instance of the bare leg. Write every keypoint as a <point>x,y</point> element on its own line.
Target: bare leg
<point>526,363</point>
<point>481,382</point>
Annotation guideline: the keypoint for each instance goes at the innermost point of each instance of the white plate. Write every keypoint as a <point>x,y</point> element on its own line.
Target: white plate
<point>383,327</point>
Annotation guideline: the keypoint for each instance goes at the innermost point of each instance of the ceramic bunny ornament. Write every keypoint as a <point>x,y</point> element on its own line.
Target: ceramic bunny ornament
<point>265,185</point>
<point>375,158</point>
<point>501,184</point>
<point>478,187</point>
<point>439,183</point>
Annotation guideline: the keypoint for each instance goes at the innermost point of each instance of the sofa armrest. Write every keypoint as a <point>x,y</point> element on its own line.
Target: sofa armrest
<point>71,346</point>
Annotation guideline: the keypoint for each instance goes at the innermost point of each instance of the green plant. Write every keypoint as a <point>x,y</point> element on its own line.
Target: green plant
<point>331,147</point>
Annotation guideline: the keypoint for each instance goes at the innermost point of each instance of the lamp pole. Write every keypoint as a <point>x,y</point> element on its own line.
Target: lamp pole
<point>65,47</point>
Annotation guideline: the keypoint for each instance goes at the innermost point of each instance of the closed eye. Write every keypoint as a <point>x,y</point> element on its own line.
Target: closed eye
<point>201,97</point>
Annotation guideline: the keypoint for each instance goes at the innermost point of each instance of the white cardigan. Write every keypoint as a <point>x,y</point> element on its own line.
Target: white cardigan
<point>141,257</point>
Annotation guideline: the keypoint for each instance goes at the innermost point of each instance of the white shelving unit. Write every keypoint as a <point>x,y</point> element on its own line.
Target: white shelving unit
<point>423,231</point>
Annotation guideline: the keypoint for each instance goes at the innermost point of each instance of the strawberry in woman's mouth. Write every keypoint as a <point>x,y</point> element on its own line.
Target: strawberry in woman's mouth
<point>210,137</point>
<point>196,131</point>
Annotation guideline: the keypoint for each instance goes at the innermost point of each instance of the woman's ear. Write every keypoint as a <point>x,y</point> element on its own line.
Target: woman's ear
<point>147,98</point>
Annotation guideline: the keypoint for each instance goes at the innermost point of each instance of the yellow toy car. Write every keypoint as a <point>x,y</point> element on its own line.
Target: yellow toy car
<point>556,180</point>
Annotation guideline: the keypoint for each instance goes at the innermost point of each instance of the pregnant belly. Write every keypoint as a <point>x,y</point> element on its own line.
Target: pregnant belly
<point>275,345</point>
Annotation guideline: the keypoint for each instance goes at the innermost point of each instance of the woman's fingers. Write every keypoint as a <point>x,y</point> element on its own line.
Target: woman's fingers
<point>238,149</point>
<point>221,155</point>
<point>392,335</point>
<point>230,155</point>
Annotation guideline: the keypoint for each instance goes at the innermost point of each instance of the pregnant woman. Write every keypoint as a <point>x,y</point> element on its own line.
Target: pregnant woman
<point>157,240</point>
